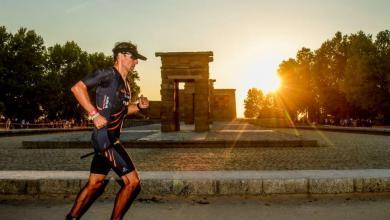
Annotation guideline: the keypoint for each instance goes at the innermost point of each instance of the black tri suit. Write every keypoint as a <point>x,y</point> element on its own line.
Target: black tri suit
<point>112,100</point>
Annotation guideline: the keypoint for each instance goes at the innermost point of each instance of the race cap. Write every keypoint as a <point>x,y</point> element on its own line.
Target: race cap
<point>123,47</point>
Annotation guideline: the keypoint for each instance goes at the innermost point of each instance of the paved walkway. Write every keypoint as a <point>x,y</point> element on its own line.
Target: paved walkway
<point>220,131</point>
<point>337,150</point>
<point>347,208</point>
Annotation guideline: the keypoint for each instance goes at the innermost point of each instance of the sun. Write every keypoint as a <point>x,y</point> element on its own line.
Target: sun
<point>269,83</point>
<point>262,74</point>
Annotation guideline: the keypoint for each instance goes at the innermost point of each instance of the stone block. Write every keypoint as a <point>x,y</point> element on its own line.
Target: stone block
<point>18,187</point>
<point>285,186</point>
<point>152,187</point>
<point>32,187</point>
<point>372,184</point>
<point>83,182</point>
<point>194,187</point>
<point>59,186</point>
<point>255,187</point>
<point>233,187</point>
<point>112,187</point>
<point>201,126</point>
<point>331,185</point>
<point>167,127</point>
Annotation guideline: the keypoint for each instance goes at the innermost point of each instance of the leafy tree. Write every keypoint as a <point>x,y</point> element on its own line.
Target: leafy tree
<point>365,82</point>
<point>329,67</point>
<point>24,65</point>
<point>267,107</point>
<point>253,102</point>
<point>298,89</point>
<point>132,78</point>
<point>358,69</point>
<point>66,65</point>
<point>348,76</point>
<point>4,55</point>
<point>308,98</point>
<point>382,44</point>
<point>2,109</point>
<point>289,90</point>
<point>99,60</point>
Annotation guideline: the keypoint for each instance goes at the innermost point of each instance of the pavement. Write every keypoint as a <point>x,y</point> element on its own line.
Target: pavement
<point>344,163</point>
<point>221,135</point>
<point>319,208</point>
<point>336,151</point>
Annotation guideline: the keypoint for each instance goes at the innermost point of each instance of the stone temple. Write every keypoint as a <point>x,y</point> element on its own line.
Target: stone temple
<point>198,102</point>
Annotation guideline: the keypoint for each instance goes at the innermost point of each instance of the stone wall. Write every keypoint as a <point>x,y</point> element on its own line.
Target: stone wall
<point>224,104</point>
<point>154,111</point>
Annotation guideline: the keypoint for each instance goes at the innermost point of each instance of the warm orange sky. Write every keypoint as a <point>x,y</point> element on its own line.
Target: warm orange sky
<point>249,38</point>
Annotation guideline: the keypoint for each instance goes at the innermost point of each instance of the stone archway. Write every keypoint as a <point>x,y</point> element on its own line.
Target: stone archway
<point>191,68</point>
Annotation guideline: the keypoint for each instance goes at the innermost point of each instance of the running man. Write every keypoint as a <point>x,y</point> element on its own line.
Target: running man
<point>112,105</point>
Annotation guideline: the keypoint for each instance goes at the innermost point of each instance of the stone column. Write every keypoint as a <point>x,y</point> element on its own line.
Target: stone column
<point>176,109</point>
<point>189,108</point>
<point>202,105</point>
<point>167,105</point>
<point>211,92</point>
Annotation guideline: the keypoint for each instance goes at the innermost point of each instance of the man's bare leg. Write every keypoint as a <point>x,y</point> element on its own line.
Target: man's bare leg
<point>126,195</point>
<point>87,195</point>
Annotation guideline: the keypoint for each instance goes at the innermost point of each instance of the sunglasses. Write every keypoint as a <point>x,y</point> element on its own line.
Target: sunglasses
<point>130,54</point>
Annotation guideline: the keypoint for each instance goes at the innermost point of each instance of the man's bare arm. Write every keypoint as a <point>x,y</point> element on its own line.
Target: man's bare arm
<point>80,91</point>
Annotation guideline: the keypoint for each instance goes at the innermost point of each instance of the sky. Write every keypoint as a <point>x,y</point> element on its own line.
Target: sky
<point>249,38</point>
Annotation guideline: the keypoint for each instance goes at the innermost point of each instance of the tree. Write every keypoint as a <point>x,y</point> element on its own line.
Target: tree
<point>289,90</point>
<point>66,65</point>
<point>366,83</point>
<point>348,76</point>
<point>298,90</point>
<point>4,55</point>
<point>24,65</point>
<point>268,107</point>
<point>132,78</point>
<point>382,44</point>
<point>2,109</point>
<point>329,67</point>
<point>99,60</point>
<point>252,103</point>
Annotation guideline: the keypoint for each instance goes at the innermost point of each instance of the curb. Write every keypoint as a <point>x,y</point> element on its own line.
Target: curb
<point>16,132</point>
<point>174,144</point>
<point>202,183</point>
<point>359,130</point>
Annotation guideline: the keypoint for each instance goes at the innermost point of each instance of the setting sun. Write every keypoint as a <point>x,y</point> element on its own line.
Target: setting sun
<point>262,74</point>
<point>270,83</point>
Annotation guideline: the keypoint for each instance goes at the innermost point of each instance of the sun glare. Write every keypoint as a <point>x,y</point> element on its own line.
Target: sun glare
<point>262,73</point>
<point>270,83</point>
<point>259,70</point>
